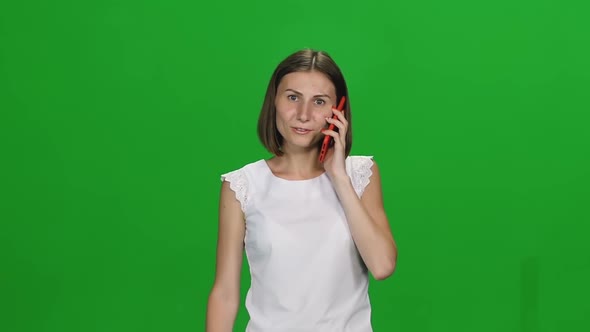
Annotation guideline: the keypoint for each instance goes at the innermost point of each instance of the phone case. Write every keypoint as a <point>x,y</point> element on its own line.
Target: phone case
<point>329,139</point>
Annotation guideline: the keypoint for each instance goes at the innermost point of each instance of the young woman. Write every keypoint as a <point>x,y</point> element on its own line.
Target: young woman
<point>312,231</point>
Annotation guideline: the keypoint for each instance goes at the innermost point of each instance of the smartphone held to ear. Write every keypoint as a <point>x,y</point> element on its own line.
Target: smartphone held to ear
<point>329,139</point>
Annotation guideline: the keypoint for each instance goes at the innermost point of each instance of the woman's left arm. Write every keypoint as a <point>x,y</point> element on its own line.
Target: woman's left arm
<point>366,216</point>
<point>368,223</point>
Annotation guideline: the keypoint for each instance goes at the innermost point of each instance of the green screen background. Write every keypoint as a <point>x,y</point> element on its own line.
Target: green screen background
<point>118,117</point>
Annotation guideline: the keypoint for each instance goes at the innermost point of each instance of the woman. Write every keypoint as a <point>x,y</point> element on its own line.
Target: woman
<point>311,230</point>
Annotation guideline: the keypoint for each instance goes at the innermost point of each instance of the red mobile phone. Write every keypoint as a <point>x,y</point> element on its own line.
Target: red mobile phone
<point>328,139</point>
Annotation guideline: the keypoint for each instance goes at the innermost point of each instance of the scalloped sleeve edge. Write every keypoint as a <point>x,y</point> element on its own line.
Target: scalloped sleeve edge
<point>361,172</point>
<point>238,183</point>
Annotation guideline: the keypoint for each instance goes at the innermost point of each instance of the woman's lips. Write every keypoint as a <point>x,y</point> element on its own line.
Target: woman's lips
<point>301,131</point>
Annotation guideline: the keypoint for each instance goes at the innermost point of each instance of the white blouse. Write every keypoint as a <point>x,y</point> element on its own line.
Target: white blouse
<point>306,273</point>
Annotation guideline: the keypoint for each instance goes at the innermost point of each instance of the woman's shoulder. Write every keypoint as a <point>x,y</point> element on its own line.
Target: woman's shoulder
<point>355,162</point>
<point>253,165</point>
<point>360,170</point>
<point>360,157</point>
<point>238,180</point>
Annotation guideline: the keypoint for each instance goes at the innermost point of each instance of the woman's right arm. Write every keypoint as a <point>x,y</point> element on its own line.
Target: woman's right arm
<point>224,299</point>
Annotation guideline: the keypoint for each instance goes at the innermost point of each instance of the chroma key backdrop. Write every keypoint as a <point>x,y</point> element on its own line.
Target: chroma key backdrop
<point>117,119</point>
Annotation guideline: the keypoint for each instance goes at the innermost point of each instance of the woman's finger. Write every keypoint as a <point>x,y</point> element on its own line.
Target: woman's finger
<point>340,115</point>
<point>342,127</point>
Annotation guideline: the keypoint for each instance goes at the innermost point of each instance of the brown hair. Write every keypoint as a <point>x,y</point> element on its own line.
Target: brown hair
<point>300,61</point>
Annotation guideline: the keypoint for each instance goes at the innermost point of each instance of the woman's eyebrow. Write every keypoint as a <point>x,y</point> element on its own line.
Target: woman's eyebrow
<point>301,94</point>
<point>295,92</point>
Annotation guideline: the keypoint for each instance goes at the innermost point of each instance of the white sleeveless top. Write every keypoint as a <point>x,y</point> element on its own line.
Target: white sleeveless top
<point>306,273</point>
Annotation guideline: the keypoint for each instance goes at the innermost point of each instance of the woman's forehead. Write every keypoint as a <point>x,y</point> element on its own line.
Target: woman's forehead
<point>307,82</point>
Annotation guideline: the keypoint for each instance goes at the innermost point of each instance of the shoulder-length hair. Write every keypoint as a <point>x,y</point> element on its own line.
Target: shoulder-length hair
<point>305,60</point>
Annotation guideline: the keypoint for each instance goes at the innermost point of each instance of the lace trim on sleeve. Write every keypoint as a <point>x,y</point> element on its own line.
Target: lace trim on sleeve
<point>361,173</point>
<point>239,184</point>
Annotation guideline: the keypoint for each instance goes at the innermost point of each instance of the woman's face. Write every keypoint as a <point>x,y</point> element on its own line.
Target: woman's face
<point>303,102</point>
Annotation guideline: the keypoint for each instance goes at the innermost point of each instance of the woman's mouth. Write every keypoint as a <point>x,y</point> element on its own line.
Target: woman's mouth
<point>301,130</point>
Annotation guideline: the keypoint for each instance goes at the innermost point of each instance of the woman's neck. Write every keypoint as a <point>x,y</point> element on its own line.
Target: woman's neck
<point>300,165</point>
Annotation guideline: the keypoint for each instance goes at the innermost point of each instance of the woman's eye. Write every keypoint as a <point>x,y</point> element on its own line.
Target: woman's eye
<point>292,97</point>
<point>320,102</point>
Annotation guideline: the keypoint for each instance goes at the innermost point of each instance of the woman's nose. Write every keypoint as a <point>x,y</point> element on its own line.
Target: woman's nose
<point>303,112</point>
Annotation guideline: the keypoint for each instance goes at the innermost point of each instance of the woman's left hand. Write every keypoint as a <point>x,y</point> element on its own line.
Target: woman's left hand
<point>334,163</point>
